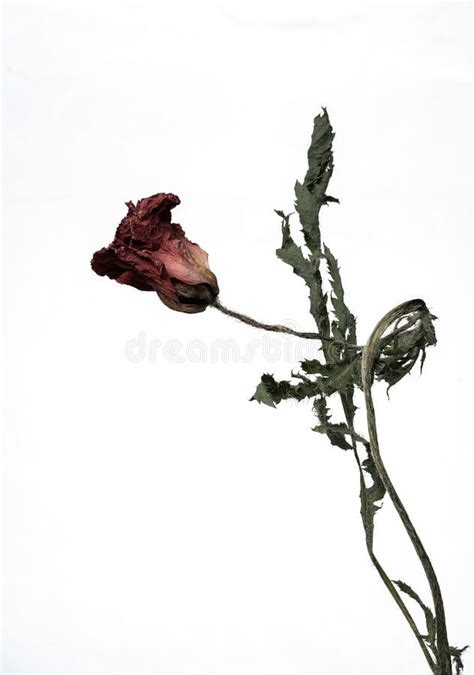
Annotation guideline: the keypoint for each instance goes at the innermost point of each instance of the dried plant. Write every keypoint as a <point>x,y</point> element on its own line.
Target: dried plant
<point>151,253</point>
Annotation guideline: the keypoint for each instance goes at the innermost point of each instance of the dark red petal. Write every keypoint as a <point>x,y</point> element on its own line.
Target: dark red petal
<point>159,204</point>
<point>133,279</point>
<point>150,215</point>
<point>106,263</point>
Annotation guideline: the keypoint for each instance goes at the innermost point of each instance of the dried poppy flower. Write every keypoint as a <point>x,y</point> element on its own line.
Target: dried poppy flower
<point>151,253</point>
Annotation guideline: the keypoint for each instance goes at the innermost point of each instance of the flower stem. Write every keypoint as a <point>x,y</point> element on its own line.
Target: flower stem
<point>369,356</point>
<point>371,351</point>
<point>277,328</point>
<point>383,575</point>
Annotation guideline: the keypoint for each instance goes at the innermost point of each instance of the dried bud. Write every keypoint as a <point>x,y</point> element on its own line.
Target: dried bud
<point>151,253</point>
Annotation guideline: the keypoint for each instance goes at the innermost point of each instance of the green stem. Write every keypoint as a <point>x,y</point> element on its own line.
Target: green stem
<point>383,575</point>
<point>369,355</point>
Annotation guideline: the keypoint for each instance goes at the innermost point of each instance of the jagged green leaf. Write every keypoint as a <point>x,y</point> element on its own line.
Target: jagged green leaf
<point>271,392</point>
<point>344,328</point>
<point>310,196</point>
<point>430,620</point>
<point>292,254</point>
<point>322,412</point>
<point>400,352</point>
<point>339,376</point>
<point>308,270</point>
<point>311,193</point>
<point>314,367</point>
<point>456,656</point>
<point>321,409</point>
<point>307,207</point>
<point>335,436</point>
<point>347,400</point>
<point>320,158</point>
<point>335,432</point>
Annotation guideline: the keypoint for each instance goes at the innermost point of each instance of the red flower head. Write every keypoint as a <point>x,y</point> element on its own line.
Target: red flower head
<point>151,253</point>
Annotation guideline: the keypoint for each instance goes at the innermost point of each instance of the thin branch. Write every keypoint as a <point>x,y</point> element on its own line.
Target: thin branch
<point>277,328</point>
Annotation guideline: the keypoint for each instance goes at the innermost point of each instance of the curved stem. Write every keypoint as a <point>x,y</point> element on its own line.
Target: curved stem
<point>369,355</point>
<point>389,585</point>
<point>277,328</point>
<point>373,558</point>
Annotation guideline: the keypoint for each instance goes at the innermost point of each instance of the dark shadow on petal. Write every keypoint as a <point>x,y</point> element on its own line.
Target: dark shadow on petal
<point>106,263</point>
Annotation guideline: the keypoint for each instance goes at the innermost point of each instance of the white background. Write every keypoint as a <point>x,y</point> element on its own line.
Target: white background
<point>154,519</point>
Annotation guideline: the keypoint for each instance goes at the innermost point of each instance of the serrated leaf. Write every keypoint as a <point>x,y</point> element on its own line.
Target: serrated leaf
<point>345,326</point>
<point>456,656</point>
<point>400,352</point>
<point>311,193</point>
<point>308,270</point>
<point>337,433</point>
<point>314,367</point>
<point>271,392</point>
<point>430,619</point>
<point>321,410</point>
<point>347,400</point>
<point>320,157</point>
<point>292,254</point>
<point>307,206</point>
<point>263,394</point>
<point>310,196</point>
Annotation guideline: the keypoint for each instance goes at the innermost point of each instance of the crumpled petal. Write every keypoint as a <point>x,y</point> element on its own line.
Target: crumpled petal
<point>151,253</point>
